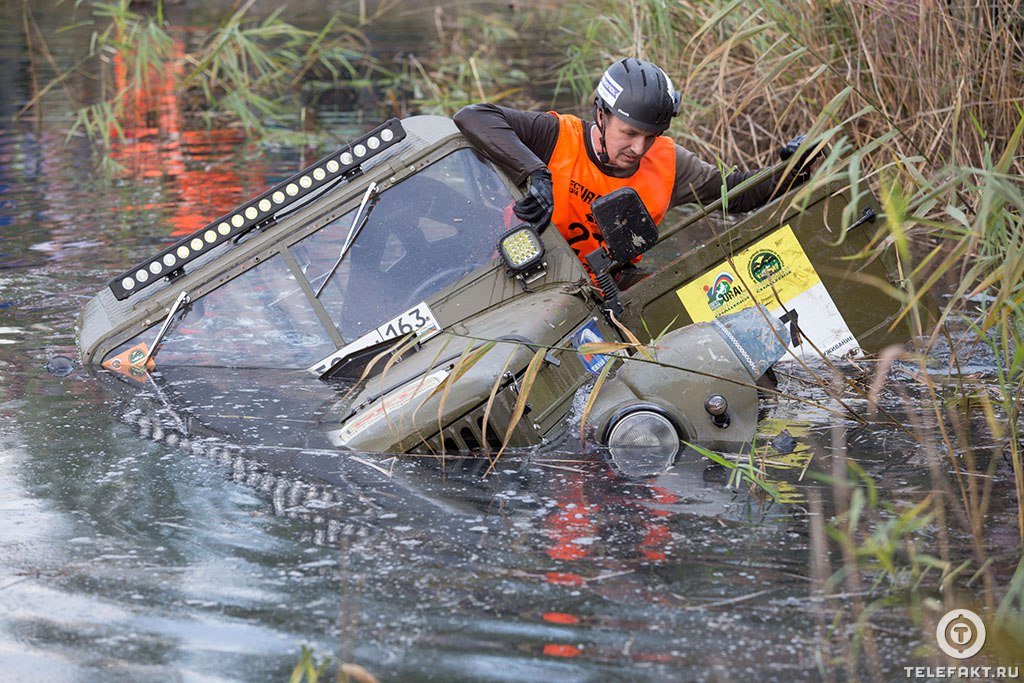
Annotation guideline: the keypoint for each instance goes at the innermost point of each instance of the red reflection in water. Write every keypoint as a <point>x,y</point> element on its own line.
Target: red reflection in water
<point>657,536</point>
<point>559,650</point>
<point>564,578</point>
<point>571,524</point>
<point>194,167</point>
<point>561,618</point>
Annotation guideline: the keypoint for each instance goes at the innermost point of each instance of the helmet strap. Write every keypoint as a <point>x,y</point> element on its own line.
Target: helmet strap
<point>600,121</point>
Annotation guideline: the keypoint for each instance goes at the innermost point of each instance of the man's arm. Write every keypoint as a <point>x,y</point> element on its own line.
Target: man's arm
<point>520,142</point>
<point>699,182</point>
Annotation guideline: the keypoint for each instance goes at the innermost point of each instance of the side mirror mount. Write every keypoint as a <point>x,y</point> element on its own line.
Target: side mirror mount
<point>625,224</point>
<point>628,231</point>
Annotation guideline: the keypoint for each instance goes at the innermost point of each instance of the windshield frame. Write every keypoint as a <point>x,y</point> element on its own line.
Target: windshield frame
<point>265,245</point>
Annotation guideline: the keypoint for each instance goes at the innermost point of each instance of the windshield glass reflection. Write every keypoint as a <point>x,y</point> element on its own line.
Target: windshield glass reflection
<point>421,236</point>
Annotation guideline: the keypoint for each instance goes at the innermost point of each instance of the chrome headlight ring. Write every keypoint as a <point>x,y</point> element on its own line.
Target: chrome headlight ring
<point>643,438</point>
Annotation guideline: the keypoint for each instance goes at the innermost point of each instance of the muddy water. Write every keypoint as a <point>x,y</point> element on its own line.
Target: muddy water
<point>198,528</point>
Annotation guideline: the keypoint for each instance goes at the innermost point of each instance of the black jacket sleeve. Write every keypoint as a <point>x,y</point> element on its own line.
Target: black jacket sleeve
<point>520,142</point>
<point>697,181</point>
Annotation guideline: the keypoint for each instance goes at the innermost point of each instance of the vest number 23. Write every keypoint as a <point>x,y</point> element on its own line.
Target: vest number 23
<point>578,232</point>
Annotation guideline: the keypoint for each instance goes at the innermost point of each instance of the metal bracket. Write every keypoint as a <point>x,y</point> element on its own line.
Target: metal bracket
<point>868,215</point>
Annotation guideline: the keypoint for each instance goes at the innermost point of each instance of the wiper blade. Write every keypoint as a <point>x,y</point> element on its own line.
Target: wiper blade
<point>178,303</point>
<point>358,221</point>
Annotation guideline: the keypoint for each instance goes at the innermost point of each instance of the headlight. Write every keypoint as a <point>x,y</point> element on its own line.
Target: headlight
<point>521,250</point>
<point>643,442</point>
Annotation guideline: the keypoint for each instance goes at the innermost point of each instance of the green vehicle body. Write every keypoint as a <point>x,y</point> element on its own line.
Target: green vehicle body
<point>504,364</point>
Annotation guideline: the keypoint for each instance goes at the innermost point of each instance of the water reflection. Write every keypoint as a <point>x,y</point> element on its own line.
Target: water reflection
<point>554,557</point>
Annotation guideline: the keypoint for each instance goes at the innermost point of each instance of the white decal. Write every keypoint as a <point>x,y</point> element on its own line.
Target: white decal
<point>609,90</point>
<point>385,406</point>
<point>419,319</point>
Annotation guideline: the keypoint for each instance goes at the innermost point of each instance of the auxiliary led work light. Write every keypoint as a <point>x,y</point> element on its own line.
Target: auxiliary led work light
<point>260,210</point>
<point>522,251</point>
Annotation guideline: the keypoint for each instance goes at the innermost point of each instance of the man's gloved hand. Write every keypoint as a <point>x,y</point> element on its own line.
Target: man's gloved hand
<point>789,149</point>
<point>801,168</point>
<point>539,203</point>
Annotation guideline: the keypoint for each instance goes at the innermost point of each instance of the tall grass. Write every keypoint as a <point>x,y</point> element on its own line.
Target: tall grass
<point>922,103</point>
<point>254,72</point>
<point>945,76</point>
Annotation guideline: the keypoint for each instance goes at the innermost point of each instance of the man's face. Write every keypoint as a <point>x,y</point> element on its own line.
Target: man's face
<point>625,143</point>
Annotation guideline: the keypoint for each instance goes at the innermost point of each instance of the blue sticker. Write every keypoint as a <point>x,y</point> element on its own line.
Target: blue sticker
<point>589,334</point>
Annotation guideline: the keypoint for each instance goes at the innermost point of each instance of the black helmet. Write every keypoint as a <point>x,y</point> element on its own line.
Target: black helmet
<point>639,92</point>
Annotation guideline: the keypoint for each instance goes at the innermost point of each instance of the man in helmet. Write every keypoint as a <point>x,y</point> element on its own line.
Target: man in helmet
<point>571,162</point>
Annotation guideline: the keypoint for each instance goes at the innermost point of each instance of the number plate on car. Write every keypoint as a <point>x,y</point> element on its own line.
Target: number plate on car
<point>418,319</point>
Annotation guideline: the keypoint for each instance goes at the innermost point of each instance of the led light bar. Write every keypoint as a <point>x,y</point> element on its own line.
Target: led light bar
<point>258,210</point>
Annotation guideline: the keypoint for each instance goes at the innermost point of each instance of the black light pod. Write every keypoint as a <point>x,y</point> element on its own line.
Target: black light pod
<point>523,253</point>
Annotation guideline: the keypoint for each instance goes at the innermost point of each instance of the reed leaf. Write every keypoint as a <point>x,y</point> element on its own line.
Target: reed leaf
<point>529,376</point>
<point>594,391</point>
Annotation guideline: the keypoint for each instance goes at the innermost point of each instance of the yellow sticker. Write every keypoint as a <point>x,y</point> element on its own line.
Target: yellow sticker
<point>776,272</point>
<point>775,268</point>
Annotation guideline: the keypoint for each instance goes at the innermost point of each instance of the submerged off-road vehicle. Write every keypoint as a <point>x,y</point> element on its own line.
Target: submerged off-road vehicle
<point>397,263</point>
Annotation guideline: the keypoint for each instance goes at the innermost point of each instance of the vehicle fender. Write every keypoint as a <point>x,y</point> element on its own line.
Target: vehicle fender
<point>723,357</point>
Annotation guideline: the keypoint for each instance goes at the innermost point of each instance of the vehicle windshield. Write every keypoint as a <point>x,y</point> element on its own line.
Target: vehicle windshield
<point>421,236</point>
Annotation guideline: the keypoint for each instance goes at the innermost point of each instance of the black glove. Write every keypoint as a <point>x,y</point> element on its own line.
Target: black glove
<point>539,203</point>
<point>789,149</point>
<point>801,168</point>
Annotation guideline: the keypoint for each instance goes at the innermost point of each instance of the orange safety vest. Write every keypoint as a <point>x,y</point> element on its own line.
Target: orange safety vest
<point>576,182</point>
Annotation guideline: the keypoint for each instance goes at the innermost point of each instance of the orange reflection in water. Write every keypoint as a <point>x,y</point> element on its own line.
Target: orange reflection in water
<point>560,618</point>
<point>194,169</point>
<point>561,650</point>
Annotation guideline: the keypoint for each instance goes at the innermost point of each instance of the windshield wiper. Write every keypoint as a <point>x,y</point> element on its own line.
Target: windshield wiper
<point>358,221</point>
<point>182,300</point>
